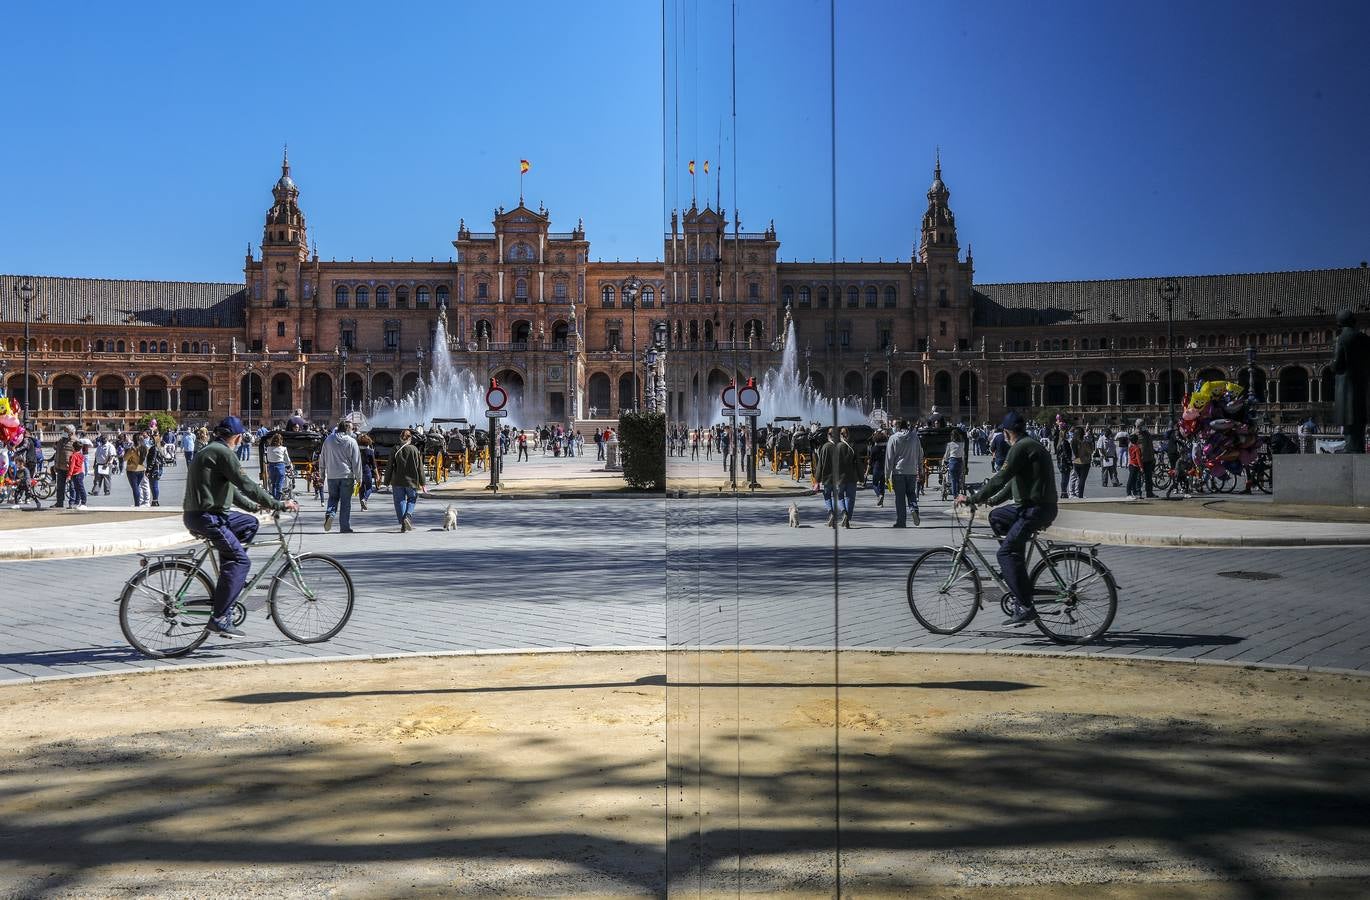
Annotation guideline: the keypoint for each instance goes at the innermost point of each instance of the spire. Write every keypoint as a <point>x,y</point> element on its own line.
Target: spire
<point>285,159</point>
<point>939,224</point>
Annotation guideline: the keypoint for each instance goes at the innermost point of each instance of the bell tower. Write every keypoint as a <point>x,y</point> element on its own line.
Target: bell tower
<point>285,227</point>
<point>281,289</point>
<point>943,282</point>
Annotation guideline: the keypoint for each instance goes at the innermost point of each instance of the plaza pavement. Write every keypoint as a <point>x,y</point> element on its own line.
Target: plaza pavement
<point>530,574</point>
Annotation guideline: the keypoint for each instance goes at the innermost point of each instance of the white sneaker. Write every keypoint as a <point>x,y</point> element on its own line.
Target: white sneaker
<point>81,507</point>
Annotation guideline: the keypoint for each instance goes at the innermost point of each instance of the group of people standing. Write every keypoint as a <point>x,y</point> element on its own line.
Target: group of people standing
<point>140,457</point>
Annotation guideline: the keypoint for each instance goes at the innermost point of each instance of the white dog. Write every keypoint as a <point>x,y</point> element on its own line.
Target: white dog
<point>794,515</point>
<point>449,519</point>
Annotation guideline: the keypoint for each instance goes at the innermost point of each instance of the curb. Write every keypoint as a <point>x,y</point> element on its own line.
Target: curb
<point>1125,539</point>
<point>95,548</point>
<point>162,668</point>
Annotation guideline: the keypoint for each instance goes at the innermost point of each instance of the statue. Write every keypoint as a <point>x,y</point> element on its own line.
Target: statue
<point>1351,363</point>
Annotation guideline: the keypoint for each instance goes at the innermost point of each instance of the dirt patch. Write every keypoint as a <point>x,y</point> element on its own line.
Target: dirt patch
<point>959,775</point>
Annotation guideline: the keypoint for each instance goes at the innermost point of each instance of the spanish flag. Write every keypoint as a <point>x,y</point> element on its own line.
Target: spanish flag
<point>706,167</point>
<point>692,167</point>
<point>524,166</point>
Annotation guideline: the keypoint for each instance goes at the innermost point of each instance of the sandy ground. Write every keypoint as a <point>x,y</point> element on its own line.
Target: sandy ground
<point>546,775</point>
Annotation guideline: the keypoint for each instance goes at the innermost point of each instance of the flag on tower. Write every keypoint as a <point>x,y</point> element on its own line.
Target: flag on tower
<point>692,167</point>
<point>524,166</point>
<point>706,167</point>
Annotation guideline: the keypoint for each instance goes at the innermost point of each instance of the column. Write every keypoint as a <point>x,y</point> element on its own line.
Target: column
<point>177,401</point>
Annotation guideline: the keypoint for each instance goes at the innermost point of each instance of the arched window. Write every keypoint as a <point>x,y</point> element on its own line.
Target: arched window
<point>162,347</point>
<point>559,289</point>
<point>421,297</point>
<point>648,295</point>
<point>340,296</point>
<point>442,295</point>
<point>891,296</point>
<point>401,297</point>
<point>787,295</point>
<point>804,296</point>
<point>606,295</point>
<point>382,297</point>
<point>118,346</point>
<point>196,348</point>
<point>142,346</point>
<point>822,298</point>
<point>872,296</point>
<point>853,296</point>
<point>185,346</point>
<point>363,297</point>
<point>521,289</point>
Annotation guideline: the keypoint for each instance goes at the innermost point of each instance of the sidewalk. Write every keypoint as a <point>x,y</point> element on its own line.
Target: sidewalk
<point>1076,522</point>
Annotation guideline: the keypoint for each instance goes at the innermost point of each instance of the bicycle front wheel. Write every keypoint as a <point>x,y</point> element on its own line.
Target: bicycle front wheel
<point>43,486</point>
<point>943,590</point>
<point>1079,607</point>
<point>153,622</point>
<point>311,598</point>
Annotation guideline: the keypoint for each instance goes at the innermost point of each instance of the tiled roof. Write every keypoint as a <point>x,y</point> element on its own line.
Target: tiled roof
<point>1316,292</point>
<point>103,301</point>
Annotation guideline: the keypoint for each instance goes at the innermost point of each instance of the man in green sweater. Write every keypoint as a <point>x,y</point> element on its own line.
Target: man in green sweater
<point>215,481</point>
<point>1027,476</point>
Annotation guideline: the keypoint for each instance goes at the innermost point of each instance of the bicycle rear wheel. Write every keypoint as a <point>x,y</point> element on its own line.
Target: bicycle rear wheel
<point>1079,609</point>
<point>311,600</point>
<point>43,486</point>
<point>943,590</point>
<point>148,615</point>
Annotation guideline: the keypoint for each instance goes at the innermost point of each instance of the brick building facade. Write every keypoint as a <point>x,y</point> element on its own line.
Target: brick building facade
<point>527,304</point>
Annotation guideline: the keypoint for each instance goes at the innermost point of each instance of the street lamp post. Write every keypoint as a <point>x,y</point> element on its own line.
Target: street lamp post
<point>1251,373</point>
<point>342,380</point>
<point>24,290</point>
<point>630,289</point>
<point>1169,291</point>
<point>890,350</point>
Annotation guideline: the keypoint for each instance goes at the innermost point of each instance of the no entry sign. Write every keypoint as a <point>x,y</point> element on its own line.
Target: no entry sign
<point>495,397</point>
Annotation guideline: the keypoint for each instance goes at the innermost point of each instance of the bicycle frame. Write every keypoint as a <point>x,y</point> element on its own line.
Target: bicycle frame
<point>197,559</point>
<point>968,549</point>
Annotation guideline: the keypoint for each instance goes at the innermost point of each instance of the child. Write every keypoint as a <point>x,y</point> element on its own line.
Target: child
<point>1134,470</point>
<point>76,474</point>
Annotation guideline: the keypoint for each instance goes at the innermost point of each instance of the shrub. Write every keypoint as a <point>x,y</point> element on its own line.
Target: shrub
<point>642,444</point>
<point>164,422</point>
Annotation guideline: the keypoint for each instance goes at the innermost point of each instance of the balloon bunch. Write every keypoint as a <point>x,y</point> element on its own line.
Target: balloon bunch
<point>11,431</point>
<point>1220,418</point>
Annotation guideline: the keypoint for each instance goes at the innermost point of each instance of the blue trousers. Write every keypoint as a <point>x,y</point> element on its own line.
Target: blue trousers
<point>840,498</point>
<point>275,473</point>
<point>956,474</point>
<point>1015,525</point>
<point>227,532</point>
<point>905,496</point>
<point>404,498</point>
<point>340,501</point>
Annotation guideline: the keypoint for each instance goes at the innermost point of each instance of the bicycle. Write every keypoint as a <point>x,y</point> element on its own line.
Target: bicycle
<point>164,608</point>
<point>1074,594</point>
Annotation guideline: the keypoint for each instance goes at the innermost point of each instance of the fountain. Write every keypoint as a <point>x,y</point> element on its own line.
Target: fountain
<point>446,393</point>
<point>783,394</point>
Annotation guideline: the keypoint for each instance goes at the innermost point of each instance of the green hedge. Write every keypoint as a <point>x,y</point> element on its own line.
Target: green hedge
<point>642,444</point>
<point>165,422</point>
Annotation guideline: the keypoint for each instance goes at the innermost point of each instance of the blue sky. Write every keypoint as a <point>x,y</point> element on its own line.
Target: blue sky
<point>1079,140</point>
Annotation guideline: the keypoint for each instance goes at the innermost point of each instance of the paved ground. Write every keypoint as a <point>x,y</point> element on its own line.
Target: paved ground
<point>533,574</point>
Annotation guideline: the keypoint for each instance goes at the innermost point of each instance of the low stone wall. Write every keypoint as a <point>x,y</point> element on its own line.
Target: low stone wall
<point>1331,479</point>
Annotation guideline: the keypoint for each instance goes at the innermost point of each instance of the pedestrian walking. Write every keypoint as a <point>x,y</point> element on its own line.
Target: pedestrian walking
<point>904,465</point>
<point>277,463</point>
<point>955,458</point>
<point>61,463</point>
<point>875,467</point>
<point>523,448</point>
<point>404,475</point>
<point>1060,448</point>
<point>153,463</point>
<point>1146,449</point>
<point>133,469</point>
<point>1108,459</point>
<point>340,461</point>
<point>1081,453</point>
<point>1134,470</point>
<point>369,471</point>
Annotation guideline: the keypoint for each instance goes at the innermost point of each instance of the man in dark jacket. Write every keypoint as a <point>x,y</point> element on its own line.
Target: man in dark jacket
<point>61,459</point>
<point>1148,450</point>
<point>1027,476</point>
<point>404,475</point>
<point>215,482</point>
<point>835,470</point>
<point>1351,364</point>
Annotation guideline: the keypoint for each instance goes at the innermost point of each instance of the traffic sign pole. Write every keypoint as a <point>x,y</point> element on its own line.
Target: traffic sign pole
<point>495,398</point>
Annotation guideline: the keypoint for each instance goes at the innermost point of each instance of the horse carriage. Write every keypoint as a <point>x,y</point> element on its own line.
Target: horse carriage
<point>934,440</point>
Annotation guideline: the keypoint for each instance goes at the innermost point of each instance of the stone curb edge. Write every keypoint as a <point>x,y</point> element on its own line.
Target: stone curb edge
<point>162,668</point>
<point>94,548</point>
<point>1123,539</point>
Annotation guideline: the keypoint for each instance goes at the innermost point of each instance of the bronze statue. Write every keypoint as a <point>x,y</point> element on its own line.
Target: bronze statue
<point>1351,364</point>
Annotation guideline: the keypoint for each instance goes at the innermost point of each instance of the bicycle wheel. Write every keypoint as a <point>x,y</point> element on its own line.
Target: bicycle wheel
<point>1162,477</point>
<point>1079,610</point>
<point>148,615</point>
<point>311,601</point>
<point>1221,482</point>
<point>43,486</point>
<point>943,591</point>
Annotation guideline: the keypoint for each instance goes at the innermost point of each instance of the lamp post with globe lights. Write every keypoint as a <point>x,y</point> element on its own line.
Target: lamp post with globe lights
<point>630,289</point>
<point>25,292</point>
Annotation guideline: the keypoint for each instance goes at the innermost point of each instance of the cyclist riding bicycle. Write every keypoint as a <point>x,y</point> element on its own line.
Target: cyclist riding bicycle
<point>1028,474</point>
<point>215,481</point>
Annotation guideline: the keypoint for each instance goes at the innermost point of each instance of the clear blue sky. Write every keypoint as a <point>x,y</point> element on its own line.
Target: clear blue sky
<point>1080,140</point>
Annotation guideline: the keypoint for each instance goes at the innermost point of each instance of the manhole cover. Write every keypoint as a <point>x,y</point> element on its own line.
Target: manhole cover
<point>1250,576</point>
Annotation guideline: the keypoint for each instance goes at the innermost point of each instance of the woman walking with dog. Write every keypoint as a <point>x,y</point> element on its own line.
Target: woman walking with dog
<point>404,475</point>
